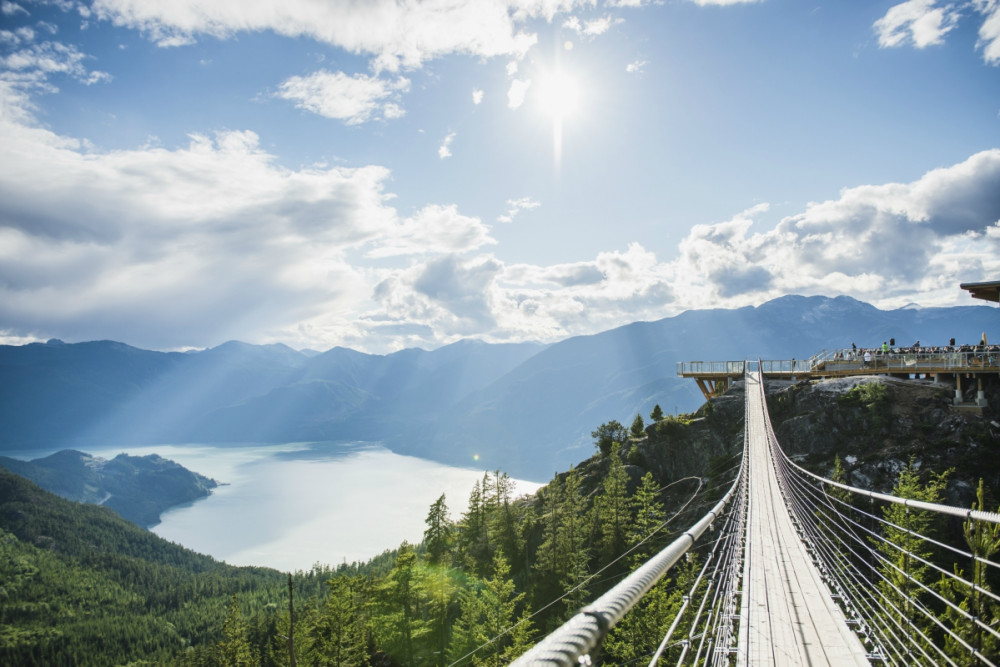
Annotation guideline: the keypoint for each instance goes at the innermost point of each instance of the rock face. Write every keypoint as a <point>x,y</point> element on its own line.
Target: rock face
<point>138,488</point>
<point>874,424</point>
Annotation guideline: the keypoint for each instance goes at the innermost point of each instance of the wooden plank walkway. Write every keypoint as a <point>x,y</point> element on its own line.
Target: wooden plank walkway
<point>787,615</point>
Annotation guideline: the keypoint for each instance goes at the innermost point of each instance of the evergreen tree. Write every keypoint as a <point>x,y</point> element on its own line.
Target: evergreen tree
<point>561,561</point>
<point>549,564</point>
<point>234,649</point>
<point>657,413</point>
<point>475,550</point>
<point>441,589</point>
<point>400,627</point>
<point>522,637</point>
<point>484,630</point>
<point>902,569</point>
<point>649,514</point>
<point>607,434</point>
<point>503,520</point>
<point>438,536</point>
<point>639,633</point>
<point>638,427</point>
<point>983,541</point>
<point>612,510</point>
<point>337,636</point>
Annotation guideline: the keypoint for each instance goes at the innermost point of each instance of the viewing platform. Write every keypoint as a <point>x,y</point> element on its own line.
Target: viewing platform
<point>942,364</point>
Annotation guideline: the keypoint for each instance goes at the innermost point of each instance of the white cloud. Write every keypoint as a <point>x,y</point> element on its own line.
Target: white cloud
<point>444,151</point>
<point>394,34</point>
<point>989,31</point>
<point>593,27</point>
<point>873,242</point>
<point>516,93</point>
<point>635,66</point>
<point>435,229</point>
<point>878,243</point>
<point>447,296</point>
<point>175,247</point>
<point>11,8</point>
<point>352,99</point>
<point>477,96</point>
<point>511,68</point>
<point>35,64</point>
<point>601,25</point>
<point>920,21</point>
<point>723,3</point>
<point>573,23</point>
<point>515,206</point>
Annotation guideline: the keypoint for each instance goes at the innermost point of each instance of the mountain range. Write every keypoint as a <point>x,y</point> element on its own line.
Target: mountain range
<point>524,408</point>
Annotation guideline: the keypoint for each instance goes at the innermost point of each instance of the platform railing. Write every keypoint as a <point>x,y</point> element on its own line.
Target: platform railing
<point>896,361</point>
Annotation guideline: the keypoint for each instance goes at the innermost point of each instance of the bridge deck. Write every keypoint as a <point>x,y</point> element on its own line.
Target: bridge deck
<point>787,615</point>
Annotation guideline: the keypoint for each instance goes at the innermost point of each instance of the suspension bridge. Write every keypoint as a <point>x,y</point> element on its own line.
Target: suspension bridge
<point>803,570</point>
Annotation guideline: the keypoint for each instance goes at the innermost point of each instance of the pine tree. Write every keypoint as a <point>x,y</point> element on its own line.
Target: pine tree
<point>649,514</point>
<point>503,521</point>
<point>612,509</point>
<point>441,589</point>
<point>337,635</point>
<point>438,536</point>
<point>475,551</point>
<point>657,413</point>
<point>549,564</point>
<point>638,634</point>
<point>638,427</point>
<point>399,624</point>
<point>562,559</point>
<point>234,649</point>
<point>607,434</point>
<point>983,541</point>
<point>903,569</point>
<point>573,544</point>
<point>487,618</point>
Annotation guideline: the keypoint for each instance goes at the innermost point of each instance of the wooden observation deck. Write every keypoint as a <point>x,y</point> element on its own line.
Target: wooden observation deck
<point>941,364</point>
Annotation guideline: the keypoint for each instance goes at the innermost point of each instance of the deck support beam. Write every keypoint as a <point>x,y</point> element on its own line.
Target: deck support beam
<point>712,387</point>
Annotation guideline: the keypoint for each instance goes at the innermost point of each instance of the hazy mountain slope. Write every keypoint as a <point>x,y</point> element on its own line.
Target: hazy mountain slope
<point>51,393</point>
<point>526,408</point>
<point>82,395</point>
<point>538,418</point>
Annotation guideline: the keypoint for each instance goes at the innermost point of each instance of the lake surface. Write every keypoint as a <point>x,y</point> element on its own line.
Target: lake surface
<point>291,506</point>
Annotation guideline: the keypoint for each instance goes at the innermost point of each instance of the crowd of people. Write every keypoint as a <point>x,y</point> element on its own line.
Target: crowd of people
<point>983,350</point>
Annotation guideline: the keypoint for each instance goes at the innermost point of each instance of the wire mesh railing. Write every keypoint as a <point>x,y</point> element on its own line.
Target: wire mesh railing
<point>905,592</point>
<point>574,640</point>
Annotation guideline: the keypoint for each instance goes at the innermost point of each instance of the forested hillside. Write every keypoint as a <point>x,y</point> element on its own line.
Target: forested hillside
<point>139,488</point>
<point>79,585</point>
<point>493,572</point>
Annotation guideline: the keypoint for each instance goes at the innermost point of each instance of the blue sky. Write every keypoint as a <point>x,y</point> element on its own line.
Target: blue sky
<point>391,174</point>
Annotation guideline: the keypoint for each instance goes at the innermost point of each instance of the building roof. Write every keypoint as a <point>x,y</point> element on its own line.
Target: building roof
<point>988,290</point>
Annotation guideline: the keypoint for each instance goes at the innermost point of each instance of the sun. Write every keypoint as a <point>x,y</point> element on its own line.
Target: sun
<point>559,97</point>
<point>558,94</point>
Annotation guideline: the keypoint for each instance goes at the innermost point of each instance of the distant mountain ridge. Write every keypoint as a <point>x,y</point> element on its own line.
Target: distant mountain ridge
<point>525,408</point>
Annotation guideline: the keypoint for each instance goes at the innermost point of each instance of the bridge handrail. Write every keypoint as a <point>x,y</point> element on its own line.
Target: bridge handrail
<point>977,515</point>
<point>580,634</point>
